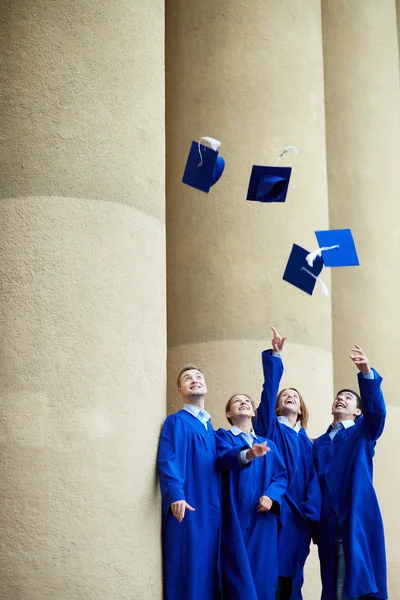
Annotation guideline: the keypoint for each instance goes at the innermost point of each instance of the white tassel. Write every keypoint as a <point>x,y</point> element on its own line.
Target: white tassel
<point>324,289</point>
<point>287,149</point>
<point>215,144</point>
<point>310,258</point>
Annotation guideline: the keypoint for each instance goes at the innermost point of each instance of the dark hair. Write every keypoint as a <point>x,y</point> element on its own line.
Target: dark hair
<point>183,370</point>
<point>303,416</point>
<point>228,405</point>
<point>359,403</point>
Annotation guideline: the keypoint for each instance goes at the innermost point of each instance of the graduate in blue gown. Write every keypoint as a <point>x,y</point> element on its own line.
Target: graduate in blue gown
<point>254,480</point>
<point>282,418</point>
<point>190,488</point>
<point>350,535</point>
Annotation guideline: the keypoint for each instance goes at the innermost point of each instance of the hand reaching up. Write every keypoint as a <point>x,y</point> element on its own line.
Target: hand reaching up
<point>360,359</point>
<point>277,341</point>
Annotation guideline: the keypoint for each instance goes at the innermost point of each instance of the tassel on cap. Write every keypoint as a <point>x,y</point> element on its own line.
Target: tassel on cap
<point>313,255</point>
<point>215,144</point>
<point>324,289</point>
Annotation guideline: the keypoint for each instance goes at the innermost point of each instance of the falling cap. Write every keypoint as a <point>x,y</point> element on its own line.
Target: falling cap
<point>204,166</point>
<point>300,274</point>
<point>269,184</point>
<point>337,248</point>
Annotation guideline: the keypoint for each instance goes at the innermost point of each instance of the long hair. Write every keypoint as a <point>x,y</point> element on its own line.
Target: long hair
<point>303,416</point>
<point>228,405</point>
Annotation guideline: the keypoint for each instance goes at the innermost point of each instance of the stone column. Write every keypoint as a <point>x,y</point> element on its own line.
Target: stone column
<point>82,298</point>
<point>252,78</point>
<point>363,147</point>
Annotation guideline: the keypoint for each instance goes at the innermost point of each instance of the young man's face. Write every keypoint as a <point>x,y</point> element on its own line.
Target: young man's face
<point>345,408</point>
<point>240,406</point>
<point>192,384</point>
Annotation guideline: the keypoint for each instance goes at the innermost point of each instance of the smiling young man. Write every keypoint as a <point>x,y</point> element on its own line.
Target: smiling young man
<point>350,535</point>
<point>190,489</point>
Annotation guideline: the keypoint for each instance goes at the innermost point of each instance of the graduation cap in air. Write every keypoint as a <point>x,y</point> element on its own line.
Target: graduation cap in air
<point>301,274</point>
<point>337,248</point>
<point>204,166</point>
<point>270,184</point>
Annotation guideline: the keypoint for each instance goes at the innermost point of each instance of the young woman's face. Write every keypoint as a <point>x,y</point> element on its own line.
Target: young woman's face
<point>240,406</point>
<point>289,402</point>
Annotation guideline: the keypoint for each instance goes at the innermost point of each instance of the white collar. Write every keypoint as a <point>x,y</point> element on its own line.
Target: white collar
<point>346,424</point>
<point>195,411</point>
<point>285,421</point>
<point>236,431</point>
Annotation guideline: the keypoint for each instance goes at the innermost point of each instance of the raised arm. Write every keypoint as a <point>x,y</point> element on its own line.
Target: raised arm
<point>172,466</point>
<point>373,403</point>
<point>265,421</point>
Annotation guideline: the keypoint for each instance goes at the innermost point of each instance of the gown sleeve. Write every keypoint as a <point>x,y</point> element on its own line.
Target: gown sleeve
<point>373,405</point>
<point>228,454</point>
<point>172,461</point>
<point>265,421</point>
<point>311,506</point>
<point>279,481</point>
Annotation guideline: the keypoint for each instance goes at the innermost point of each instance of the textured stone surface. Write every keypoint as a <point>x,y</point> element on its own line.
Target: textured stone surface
<point>82,298</point>
<point>250,75</point>
<point>81,100</point>
<point>363,145</point>
<point>82,317</point>
<point>252,78</point>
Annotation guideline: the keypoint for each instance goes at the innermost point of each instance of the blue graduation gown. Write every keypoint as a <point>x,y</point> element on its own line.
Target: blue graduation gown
<point>249,547</point>
<point>187,471</point>
<point>344,466</point>
<point>302,502</point>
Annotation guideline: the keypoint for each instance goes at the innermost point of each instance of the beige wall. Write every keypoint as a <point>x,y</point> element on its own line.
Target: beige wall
<point>363,148</point>
<point>82,298</point>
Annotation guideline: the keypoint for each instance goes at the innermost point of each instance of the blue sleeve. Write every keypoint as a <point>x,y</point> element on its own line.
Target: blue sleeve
<point>265,421</point>
<point>279,481</point>
<point>373,405</point>
<point>311,506</point>
<point>172,461</point>
<point>227,454</point>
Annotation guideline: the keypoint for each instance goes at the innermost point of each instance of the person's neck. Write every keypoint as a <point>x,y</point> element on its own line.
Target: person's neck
<point>197,401</point>
<point>292,418</point>
<point>245,424</point>
<point>338,419</point>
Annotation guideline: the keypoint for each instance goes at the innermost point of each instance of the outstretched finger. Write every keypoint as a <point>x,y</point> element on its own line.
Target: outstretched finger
<point>357,349</point>
<point>275,332</point>
<point>188,507</point>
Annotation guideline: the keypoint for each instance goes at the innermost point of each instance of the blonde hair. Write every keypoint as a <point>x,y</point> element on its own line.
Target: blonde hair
<point>228,405</point>
<point>303,416</point>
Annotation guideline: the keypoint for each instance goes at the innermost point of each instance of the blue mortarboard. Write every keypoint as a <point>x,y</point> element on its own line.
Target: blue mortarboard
<point>204,166</point>
<point>299,273</point>
<point>337,248</point>
<point>269,184</point>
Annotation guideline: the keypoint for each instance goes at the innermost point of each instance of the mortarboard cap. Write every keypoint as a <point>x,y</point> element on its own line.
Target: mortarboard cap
<point>269,184</point>
<point>337,248</point>
<point>204,166</point>
<point>299,273</point>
